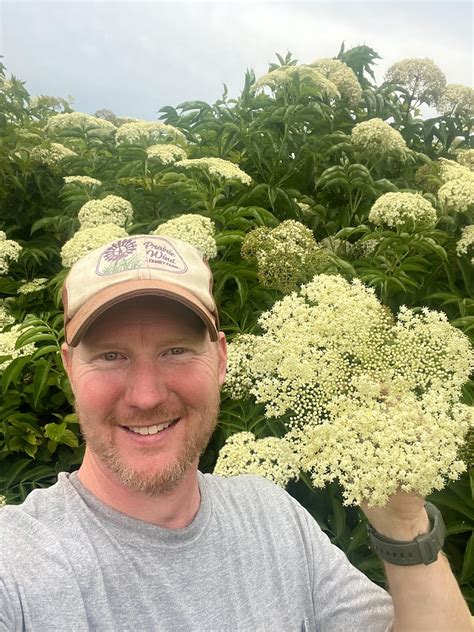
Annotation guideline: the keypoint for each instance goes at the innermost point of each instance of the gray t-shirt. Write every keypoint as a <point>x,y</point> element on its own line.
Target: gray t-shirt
<point>252,559</point>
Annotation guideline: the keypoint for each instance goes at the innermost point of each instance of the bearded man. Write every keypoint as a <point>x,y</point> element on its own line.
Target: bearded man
<point>138,538</point>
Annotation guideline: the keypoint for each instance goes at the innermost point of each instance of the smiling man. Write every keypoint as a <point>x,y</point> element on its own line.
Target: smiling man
<point>138,538</point>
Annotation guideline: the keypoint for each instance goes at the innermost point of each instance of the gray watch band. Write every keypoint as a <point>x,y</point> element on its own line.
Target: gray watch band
<point>423,549</point>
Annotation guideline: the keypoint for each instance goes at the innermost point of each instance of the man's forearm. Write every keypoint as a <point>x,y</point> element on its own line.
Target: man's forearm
<point>425,597</point>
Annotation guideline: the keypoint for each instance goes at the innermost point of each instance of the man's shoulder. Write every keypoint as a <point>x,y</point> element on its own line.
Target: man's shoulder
<point>41,510</point>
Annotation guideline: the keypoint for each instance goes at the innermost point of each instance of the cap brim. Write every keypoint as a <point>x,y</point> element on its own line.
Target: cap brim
<point>77,326</point>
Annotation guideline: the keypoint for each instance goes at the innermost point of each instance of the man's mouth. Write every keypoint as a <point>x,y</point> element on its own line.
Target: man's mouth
<point>151,430</point>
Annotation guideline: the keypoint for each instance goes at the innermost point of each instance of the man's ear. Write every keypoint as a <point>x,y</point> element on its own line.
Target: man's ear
<point>66,355</point>
<point>222,354</point>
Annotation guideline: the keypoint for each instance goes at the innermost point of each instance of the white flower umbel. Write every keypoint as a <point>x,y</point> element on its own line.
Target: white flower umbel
<point>343,77</point>
<point>451,170</point>
<point>7,345</point>
<point>286,255</point>
<point>51,155</point>
<point>88,239</point>
<point>9,251</point>
<point>110,210</point>
<point>33,286</point>
<point>148,133</point>
<point>82,180</point>
<point>368,399</point>
<point>378,139</point>
<point>197,230</point>
<point>216,167</point>
<point>457,196</point>
<point>421,77</point>
<point>403,210</point>
<point>466,243</point>
<point>5,317</point>
<point>166,153</point>
<point>3,502</point>
<point>311,79</point>
<point>69,121</point>
<point>465,158</point>
<point>456,99</point>
<point>273,458</point>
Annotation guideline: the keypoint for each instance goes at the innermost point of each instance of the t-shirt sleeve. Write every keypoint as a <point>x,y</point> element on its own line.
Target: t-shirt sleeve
<point>343,597</point>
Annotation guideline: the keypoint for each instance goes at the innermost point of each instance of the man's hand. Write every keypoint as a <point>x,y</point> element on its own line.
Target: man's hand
<point>402,518</point>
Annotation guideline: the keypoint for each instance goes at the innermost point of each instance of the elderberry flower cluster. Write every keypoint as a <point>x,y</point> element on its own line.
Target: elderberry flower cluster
<point>307,76</point>
<point>378,139</point>
<point>33,286</point>
<point>196,230</point>
<point>7,345</point>
<point>5,317</point>
<point>457,196</point>
<point>216,167</point>
<point>368,399</point>
<point>342,77</point>
<point>84,180</point>
<point>465,158</point>
<point>466,242</point>
<point>88,239</point>
<point>286,256</point>
<point>51,155</point>
<point>110,210</point>
<point>9,251</point>
<point>421,77</point>
<point>3,501</point>
<point>166,153</point>
<point>148,132</point>
<point>270,457</point>
<point>61,123</point>
<point>451,170</point>
<point>456,99</point>
<point>403,210</point>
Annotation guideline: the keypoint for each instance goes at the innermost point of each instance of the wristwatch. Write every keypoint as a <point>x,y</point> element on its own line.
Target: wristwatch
<point>423,549</point>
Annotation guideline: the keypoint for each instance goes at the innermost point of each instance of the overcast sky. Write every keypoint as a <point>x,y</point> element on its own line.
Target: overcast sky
<point>134,57</point>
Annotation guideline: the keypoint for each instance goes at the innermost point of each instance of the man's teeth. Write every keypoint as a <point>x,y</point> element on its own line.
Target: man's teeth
<point>150,430</point>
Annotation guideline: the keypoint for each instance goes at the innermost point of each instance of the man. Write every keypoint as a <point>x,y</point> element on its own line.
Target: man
<point>138,539</point>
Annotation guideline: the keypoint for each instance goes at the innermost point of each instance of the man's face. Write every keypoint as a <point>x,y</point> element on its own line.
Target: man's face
<point>144,364</point>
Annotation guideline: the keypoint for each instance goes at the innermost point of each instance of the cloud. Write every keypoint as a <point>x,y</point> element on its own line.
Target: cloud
<point>135,57</point>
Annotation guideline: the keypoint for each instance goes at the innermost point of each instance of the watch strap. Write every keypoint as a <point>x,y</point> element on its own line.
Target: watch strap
<point>423,549</point>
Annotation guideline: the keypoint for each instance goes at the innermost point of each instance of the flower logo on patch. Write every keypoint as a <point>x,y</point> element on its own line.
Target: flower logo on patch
<point>120,250</point>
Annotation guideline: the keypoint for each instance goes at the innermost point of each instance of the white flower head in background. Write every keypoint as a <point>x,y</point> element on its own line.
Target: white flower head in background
<point>217,167</point>
<point>197,230</point>
<point>51,155</point>
<point>9,251</point>
<point>166,153</point>
<point>403,210</point>
<point>148,132</point>
<point>343,77</point>
<point>109,210</point>
<point>378,139</point>
<point>82,180</point>
<point>420,76</point>
<point>33,286</point>
<point>88,239</point>
<point>466,242</point>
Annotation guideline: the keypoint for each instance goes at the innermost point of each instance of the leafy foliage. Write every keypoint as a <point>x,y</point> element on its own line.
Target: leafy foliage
<point>295,144</point>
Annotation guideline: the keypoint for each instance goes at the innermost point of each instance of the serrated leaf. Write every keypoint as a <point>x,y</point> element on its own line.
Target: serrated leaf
<point>40,380</point>
<point>13,371</point>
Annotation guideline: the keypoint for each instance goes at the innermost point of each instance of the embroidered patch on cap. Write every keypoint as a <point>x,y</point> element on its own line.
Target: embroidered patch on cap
<point>136,253</point>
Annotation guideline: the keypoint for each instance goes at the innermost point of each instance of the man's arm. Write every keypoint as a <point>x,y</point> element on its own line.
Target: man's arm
<point>425,597</point>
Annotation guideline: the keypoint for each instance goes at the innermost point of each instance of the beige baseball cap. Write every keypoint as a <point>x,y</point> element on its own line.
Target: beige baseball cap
<point>138,265</point>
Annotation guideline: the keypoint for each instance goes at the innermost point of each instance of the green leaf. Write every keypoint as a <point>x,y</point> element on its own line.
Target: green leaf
<point>40,380</point>
<point>467,573</point>
<point>13,371</point>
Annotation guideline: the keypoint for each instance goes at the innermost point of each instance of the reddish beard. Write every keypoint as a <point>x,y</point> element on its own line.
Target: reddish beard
<point>201,425</point>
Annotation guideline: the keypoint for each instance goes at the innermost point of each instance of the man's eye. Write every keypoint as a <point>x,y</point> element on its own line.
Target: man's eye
<point>176,351</point>
<point>110,356</point>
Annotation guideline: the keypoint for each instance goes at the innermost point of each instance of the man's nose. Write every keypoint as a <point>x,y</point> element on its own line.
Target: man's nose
<point>146,387</point>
